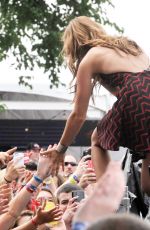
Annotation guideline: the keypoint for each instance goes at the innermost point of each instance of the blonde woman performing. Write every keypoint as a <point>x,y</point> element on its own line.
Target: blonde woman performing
<point>121,66</point>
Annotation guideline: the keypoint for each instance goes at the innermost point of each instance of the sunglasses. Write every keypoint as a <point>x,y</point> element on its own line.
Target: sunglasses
<point>70,163</point>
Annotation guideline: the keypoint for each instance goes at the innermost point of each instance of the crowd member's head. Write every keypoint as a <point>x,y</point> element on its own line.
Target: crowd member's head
<point>47,194</point>
<point>70,164</point>
<point>120,221</point>
<point>33,150</point>
<point>64,194</point>
<point>31,166</point>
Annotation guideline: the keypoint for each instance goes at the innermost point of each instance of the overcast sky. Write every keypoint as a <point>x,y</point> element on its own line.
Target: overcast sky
<point>132,15</point>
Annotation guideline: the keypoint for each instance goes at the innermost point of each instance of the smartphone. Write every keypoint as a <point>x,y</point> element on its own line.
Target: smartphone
<point>88,152</point>
<point>79,194</point>
<point>18,158</point>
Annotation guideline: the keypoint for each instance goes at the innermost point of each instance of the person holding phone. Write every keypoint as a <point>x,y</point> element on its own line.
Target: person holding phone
<point>12,172</point>
<point>5,157</point>
<point>89,159</point>
<point>71,209</point>
<point>123,68</point>
<point>20,201</point>
<point>88,179</point>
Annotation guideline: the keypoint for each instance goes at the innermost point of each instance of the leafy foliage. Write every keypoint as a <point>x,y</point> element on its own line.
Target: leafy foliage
<point>31,31</point>
<point>2,107</point>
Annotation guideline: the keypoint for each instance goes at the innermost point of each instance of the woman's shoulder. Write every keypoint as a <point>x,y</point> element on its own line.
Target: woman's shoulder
<point>99,50</point>
<point>107,61</point>
<point>98,59</point>
<point>96,55</point>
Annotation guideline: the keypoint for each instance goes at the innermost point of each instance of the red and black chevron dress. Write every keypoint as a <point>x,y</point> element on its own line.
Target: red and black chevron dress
<point>127,124</point>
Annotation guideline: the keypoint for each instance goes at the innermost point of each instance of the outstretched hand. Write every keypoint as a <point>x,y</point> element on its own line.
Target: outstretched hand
<point>13,172</point>
<point>56,159</point>
<point>43,216</point>
<point>5,157</point>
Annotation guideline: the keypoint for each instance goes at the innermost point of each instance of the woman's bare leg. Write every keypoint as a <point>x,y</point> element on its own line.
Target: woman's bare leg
<point>106,197</point>
<point>145,175</point>
<point>100,157</point>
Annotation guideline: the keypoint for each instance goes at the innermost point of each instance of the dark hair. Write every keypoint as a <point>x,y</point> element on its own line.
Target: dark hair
<point>31,166</point>
<point>32,146</point>
<point>67,188</point>
<point>46,189</point>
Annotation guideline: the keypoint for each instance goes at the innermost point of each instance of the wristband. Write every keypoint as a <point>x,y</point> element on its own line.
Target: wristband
<point>79,226</point>
<point>7,181</point>
<point>29,189</point>
<point>72,180</point>
<point>61,148</point>
<point>33,187</point>
<point>37,179</point>
<point>75,178</point>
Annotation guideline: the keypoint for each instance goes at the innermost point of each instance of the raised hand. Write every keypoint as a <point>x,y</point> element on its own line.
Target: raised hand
<point>82,166</point>
<point>87,178</point>
<point>70,211</point>
<point>56,159</point>
<point>13,171</point>
<point>5,157</point>
<point>43,216</point>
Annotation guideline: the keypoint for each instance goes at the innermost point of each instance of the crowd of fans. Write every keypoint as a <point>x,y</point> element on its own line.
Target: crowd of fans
<point>30,198</point>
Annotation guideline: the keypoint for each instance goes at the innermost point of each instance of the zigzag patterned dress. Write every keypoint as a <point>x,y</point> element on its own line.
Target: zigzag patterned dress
<point>127,124</point>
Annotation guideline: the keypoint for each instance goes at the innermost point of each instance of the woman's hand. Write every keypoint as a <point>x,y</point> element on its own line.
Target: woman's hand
<point>56,159</point>
<point>43,216</point>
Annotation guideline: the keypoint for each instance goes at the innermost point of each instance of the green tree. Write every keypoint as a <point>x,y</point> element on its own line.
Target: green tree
<point>31,31</point>
<point>2,107</point>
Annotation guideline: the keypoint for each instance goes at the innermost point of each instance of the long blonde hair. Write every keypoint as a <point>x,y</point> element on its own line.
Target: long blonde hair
<point>82,33</point>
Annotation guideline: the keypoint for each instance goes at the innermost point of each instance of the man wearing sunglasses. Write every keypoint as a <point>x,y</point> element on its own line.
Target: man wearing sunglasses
<point>70,164</point>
